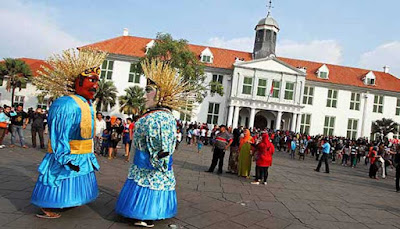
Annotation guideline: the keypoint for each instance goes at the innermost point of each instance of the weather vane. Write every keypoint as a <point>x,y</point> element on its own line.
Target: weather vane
<point>269,7</point>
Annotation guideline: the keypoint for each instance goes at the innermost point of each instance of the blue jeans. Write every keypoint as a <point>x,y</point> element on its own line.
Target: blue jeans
<point>14,130</point>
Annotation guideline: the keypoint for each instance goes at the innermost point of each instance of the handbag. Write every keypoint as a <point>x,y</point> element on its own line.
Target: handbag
<point>3,125</point>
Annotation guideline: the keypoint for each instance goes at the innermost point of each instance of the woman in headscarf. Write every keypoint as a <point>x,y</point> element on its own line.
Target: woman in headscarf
<point>234,154</point>
<point>244,165</point>
<point>265,150</point>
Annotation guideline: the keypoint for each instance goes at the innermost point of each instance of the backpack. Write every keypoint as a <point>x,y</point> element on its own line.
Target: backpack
<point>115,136</point>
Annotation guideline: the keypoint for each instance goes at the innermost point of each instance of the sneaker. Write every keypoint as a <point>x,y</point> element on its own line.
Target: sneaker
<point>255,182</point>
<point>265,183</point>
<point>1,146</point>
<point>144,224</point>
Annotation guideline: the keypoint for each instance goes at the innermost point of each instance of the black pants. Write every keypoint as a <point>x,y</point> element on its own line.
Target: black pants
<point>261,173</point>
<point>217,155</point>
<point>317,156</point>
<point>397,177</point>
<point>39,131</point>
<point>373,168</point>
<point>324,158</point>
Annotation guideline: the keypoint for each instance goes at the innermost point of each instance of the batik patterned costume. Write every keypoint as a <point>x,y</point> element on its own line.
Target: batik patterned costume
<point>71,127</point>
<point>149,192</point>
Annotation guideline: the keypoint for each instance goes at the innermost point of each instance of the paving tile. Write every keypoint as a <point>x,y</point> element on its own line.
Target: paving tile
<point>185,212</point>
<point>273,222</point>
<point>249,218</point>
<point>206,219</point>
<point>226,225</point>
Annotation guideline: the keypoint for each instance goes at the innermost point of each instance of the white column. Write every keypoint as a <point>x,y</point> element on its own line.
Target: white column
<point>230,116</point>
<point>364,115</point>
<point>252,116</point>
<point>298,122</point>
<point>236,117</point>
<point>278,121</point>
<point>293,123</point>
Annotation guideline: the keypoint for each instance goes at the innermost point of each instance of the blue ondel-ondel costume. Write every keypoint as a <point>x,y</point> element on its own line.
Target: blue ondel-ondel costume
<point>71,126</point>
<point>149,191</point>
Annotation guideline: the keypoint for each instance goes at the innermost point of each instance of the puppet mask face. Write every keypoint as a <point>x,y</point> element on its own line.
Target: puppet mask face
<point>87,83</point>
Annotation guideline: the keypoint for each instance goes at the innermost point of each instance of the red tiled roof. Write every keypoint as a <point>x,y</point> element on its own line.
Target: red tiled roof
<point>34,64</point>
<point>346,75</point>
<point>136,46</point>
<point>225,58</point>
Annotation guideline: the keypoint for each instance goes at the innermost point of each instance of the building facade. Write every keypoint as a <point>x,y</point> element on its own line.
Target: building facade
<point>265,91</point>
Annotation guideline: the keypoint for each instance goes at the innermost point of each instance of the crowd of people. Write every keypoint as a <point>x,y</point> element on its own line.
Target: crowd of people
<point>14,121</point>
<point>244,146</point>
<point>110,130</point>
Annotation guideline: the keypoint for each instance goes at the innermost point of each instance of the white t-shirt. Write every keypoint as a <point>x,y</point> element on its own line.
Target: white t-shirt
<point>179,137</point>
<point>100,127</point>
<point>203,132</point>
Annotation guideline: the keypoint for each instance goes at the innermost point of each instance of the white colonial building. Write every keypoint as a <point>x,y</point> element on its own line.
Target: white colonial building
<point>263,90</point>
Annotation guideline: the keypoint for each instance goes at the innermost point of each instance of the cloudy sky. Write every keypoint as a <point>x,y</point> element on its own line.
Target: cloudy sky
<point>360,33</point>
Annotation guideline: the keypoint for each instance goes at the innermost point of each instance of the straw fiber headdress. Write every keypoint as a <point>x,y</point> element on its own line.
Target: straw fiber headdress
<point>59,76</point>
<point>172,91</point>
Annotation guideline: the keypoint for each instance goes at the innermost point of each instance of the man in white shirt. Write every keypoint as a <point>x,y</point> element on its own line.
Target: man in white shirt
<point>100,127</point>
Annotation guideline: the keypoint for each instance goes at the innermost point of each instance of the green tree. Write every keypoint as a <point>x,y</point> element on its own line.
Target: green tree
<point>133,102</point>
<point>384,126</point>
<point>17,73</point>
<point>106,95</point>
<point>178,55</point>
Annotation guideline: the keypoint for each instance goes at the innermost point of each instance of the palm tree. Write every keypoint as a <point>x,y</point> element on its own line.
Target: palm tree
<point>133,102</point>
<point>17,73</point>
<point>106,95</point>
<point>384,127</point>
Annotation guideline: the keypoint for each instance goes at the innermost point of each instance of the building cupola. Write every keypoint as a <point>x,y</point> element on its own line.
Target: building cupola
<point>266,32</point>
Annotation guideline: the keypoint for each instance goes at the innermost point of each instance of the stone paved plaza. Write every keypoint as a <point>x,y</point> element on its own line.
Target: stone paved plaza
<point>295,197</point>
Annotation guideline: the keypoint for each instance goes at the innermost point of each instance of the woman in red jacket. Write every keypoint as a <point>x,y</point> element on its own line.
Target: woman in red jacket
<point>265,150</point>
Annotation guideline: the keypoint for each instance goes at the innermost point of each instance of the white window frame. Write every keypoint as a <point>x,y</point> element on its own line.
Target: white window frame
<point>276,89</point>
<point>305,124</point>
<point>44,104</point>
<point>289,91</point>
<point>308,95</point>
<point>19,99</point>
<point>261,88</point>
<point>247,85</point>
<point>134,74</point>
<point>352,128</point>
<point>355,101</point>
<point>213,115</point>
<point>398,107</point>
<point>378,104</point>
<point>106,71</point>
<point>323,75</point>
<point>332,100</point>
<point>329,130</point>
<point>370,79</point>
<point>184,116</point>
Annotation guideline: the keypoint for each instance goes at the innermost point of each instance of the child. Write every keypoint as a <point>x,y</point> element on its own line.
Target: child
<point>199,145</point>
<point>302,151</point>
<point>293,147</point>
<point>178,138</point>
<point>105,137</point>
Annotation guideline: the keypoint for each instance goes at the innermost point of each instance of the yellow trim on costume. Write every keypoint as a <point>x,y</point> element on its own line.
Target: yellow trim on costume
<point>77,146</point>
<point>86,117</point>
